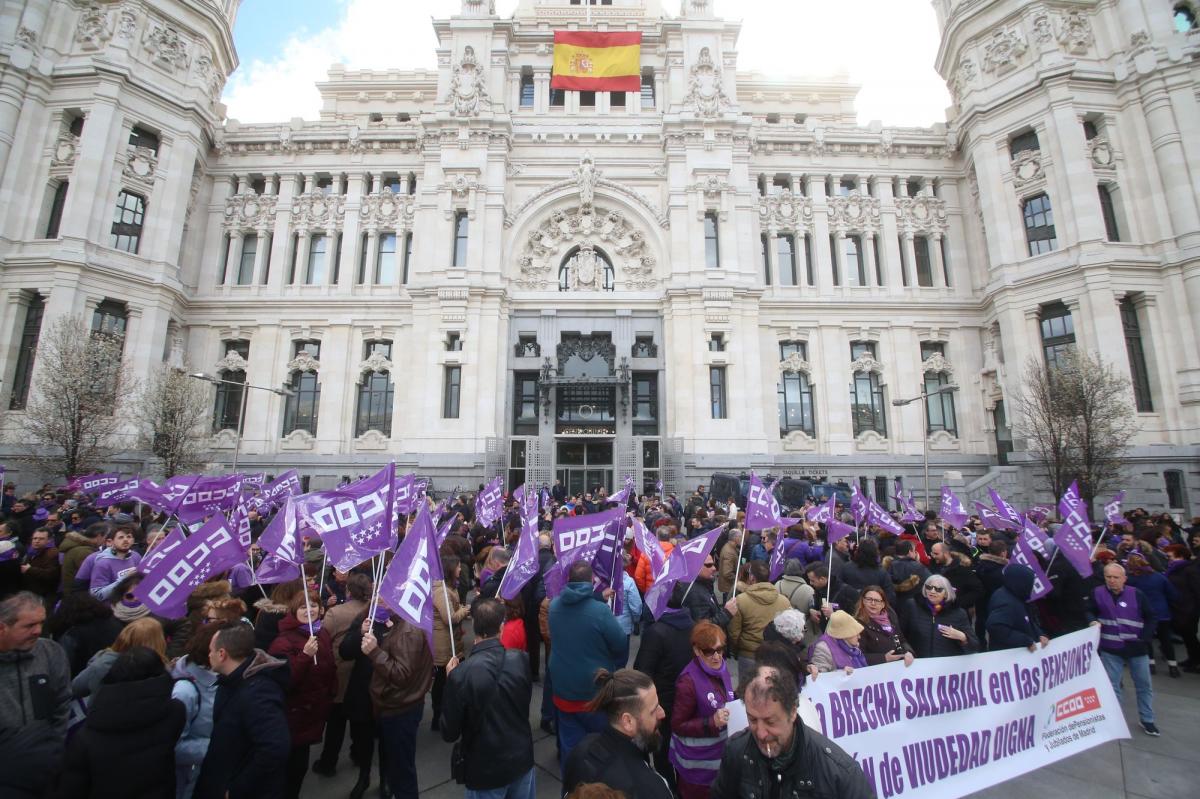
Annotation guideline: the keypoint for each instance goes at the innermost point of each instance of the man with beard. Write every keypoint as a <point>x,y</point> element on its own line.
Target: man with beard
<point>617,756</point>
<point>780,751</point>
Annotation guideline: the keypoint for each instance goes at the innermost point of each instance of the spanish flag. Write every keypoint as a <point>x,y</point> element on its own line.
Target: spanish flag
<point>597,62</point>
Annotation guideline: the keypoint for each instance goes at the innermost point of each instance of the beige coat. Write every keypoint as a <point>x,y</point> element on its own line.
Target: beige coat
<point>441,630</point>
<point>757,607</point>
<point>727,567</point>
<point>338,620</point>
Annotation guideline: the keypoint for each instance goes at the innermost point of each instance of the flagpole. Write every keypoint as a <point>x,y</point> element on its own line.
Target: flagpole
<point>324,566</point>
<point>737,567</point>
<point>307,607</point>
<point>449,617</point>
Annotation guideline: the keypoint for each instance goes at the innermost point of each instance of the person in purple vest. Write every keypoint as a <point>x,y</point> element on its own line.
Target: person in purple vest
<point>699,717</point>
<point>1127,624</point>
<point>113,564</point>
<point>837,648</point>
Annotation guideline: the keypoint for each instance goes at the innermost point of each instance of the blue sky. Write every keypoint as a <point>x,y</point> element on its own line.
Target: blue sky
<point>286,46</point>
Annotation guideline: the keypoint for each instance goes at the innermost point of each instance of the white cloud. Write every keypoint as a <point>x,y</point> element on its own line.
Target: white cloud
<point>886,47</point>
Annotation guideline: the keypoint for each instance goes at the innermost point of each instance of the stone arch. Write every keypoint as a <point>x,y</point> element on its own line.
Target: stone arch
<point>628,234</point>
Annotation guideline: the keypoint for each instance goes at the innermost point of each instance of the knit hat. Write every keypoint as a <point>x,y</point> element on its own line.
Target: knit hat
<point>40,515</point>
<point>842,625</point>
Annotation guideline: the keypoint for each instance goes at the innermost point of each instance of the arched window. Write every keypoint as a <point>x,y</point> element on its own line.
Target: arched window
<point>586,268</point>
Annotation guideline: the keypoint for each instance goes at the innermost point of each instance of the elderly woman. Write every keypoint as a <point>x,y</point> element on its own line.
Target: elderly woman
<point>838,648</point>
<point>934,625</point>
<point>699,716</point>
<point>789,632</point>
<point>882,640</point>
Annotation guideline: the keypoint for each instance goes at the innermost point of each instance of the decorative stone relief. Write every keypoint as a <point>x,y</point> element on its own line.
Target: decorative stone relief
<point>866,363</point>
<point>65,150</point>
<point>250,211</point>
<point>225,439</point>
<point>1100,152</point>
<point>799,441</point>
<point>936,363</point>
<point>167,48</point>
<point>208,74</point>
<point>942,441</point>
<point>317,211</point>
<point>127,22</point>
<point>468,90</point>
<point>1075,35</point>
<point>705,93</point>
<point>232,362</point>
<point>140,163</point>
<point>371,441</point>
<point>816,147</point>
<point>921,214</point>
<point>92,30</point>
<point>870,441</point>
<point>297,440</point>
<point>785,211</point>
<point>794,364</point>
<point>854,213</point>
<point>585,178</point>
<point>387,211</point>
<point>609,185</point>
<point>632,260</point>
<point>26,37</point>
<point>376,362</point>
<point>1027,167</point>
<point>1003,51</point>
<point>1043,32</point>
<point>303,363</point>
<point>586,270</point>
<point>964,77</point>
<point>713,194</point>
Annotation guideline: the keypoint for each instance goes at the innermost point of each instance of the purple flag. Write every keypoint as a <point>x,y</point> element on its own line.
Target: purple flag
<point>880,518</point>
<point>1038,513</point>
<point>762,509</point>
<point>993,520</point>
<point>578,538</point>
<point>658,487</point>
<point>1074,537</point>
<point>256,479</point>
<point>1023,555</point>
<point>545,499</point>
<point>408,491</point>
<point>164,546</point>
<point>608,562</point>
<point>407,586</point>
<point>898,493</point>
<point>280,537</point>
<point>208,495</point>
<point>835,531</point>
<point>822,513</point>
<point>95,483</point>
<point>1071,498</point>
<point>524,563</point>
<point>952,509</point>
<point>648,544</point>
<point>240,523</point>
<point>443,529</point>
<point>275,569</point>
<point>1112,510</point>
<point>1033,536</point>
<point>210,550</point>
<point>489,505</point>
<point>1006,510</point>
<point>684,563</point>
<point>622,497</point>
<point>354,521</point>
<point>285,485</point>
<point>911,514</point>
<point>116,493</point>
<point>778,559</point>
<point>858,505</point>
<point>165,498</point>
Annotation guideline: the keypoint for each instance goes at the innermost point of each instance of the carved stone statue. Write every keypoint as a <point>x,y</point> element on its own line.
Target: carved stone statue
<point>585,178</point>
<point>705,92</point>
<point>468,89</point>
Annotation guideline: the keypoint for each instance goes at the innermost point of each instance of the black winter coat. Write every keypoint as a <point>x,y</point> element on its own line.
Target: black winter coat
<point>990,570</point>
<point>1011,621</point>
<point>84,640</point>
<point>966,585</point>
<point>356,702</point>
<point>665,651</point>
<point>859,577</point>
<point>612,759</point>
<point>921,629</point>
<point>126,720</point>
<point>1064,609</point>
<point>487,703</point>
<point>819,769</point>
<point>703,605</point>
<point>250,742</point>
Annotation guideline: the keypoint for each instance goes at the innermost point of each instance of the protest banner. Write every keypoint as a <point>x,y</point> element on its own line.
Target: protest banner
<point>946,727</point>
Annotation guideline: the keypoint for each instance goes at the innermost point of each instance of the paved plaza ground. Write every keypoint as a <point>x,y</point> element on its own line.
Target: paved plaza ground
<point>1154,768</point>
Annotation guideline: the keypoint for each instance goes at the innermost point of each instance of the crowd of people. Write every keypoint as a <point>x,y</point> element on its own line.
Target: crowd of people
<point>256,686</point>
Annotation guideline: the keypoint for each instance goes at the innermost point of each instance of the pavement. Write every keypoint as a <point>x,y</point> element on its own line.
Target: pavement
<point>1141,767</point>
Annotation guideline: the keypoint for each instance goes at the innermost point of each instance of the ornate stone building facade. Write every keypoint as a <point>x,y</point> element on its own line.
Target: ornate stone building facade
<point>470,273</point>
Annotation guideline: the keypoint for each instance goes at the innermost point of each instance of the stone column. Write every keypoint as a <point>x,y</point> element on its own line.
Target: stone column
<point>541,92</point>
<point>303,242</point>
<point>233,256</point>
<point>939,262</point>
<point>822,257</point>
<point>910,255</point>
<point>331,248</point>
<point>837,259</point>
<point>868,245</point>
<point>94,161</point>
<point>281,249</point>
<point>260,257</point>
<point>372,255</point>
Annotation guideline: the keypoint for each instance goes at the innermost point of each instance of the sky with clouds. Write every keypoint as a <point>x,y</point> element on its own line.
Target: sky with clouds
<point>885,46</point>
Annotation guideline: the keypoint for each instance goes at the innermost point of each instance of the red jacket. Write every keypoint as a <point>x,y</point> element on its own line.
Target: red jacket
<point>918,547</point>
<point>645,574</point>
<point>312,685</point>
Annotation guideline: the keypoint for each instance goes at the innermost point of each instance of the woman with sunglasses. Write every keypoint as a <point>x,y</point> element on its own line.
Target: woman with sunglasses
<point>699,717</point>
<point>882,639</point>
<point>935,626</point>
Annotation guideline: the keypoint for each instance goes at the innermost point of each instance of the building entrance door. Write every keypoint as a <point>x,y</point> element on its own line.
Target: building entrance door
<point>584,465</point>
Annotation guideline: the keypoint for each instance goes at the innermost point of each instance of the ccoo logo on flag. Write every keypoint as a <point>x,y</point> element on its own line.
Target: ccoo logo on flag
<point>1073,705</point>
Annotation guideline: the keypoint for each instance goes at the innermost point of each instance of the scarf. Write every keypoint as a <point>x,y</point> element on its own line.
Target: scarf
<point>883,620</point>
<point>721,674</point>
<point>126,613</point>
<point>935,609</point>
<point>843,654</point>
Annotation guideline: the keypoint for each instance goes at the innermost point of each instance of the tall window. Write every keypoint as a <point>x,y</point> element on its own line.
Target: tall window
<point>408,249</point>
<point>1173,478</point>
<point>110,319</point>
<point>302,407</point>
<point>809,277</point>
<point>939,408</point>
<point>786,255</point>
<point>1058,334</point>
<point>127,221</point>
<point>1138,374</point>
<point>833,260</point>
<point>716,392</point>
<point>525,403</point>
<point>314,273</point>
<point>527,87</point>
<point>765,242</point>
<point>924,266</point>
<point>1039,224</point>
<point>648,87</point>
<point>712,242</point>
<point>1023,142</point>
<point>375,394</point>
<point>227,409</point>
<point>27,354</point>
<point>245,273</point>
<point>866,394</point>
<point>795,398</point>
<point>460,239</point>
<point>54,220</point>
<point>451,392</point>
<point>645,403</point>
<point>1111,231</point>
<point>856,273</point>
<point>385,260</point>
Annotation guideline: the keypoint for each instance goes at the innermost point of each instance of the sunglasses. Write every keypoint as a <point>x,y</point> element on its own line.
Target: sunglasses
<point>937,589</point>
<point>716,650</point>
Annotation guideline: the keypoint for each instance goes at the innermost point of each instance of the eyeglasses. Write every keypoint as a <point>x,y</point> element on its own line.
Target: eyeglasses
<point>937,589</point>
<point>873,599</point>
<point>716,650</point>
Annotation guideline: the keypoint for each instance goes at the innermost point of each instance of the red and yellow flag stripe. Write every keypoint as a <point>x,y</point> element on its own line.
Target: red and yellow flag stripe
<point>601,62</point>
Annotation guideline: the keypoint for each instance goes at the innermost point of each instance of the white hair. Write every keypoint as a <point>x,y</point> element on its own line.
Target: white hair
<point>942,582</point>
<point>790,624</point>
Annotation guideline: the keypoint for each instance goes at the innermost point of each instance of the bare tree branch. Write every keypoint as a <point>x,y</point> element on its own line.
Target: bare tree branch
<point>171,411</point>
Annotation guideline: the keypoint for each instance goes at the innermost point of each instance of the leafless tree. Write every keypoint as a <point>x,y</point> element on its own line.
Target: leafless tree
<point>72,419</point>
<point>171,410</point>
<point>1078,418</point>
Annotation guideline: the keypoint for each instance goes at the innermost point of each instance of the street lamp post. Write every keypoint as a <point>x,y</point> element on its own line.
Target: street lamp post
<point>922,397</point>
<point>237,441</point>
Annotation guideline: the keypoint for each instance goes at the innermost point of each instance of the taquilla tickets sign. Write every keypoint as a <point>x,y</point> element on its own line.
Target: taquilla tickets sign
<point>945,727</point>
